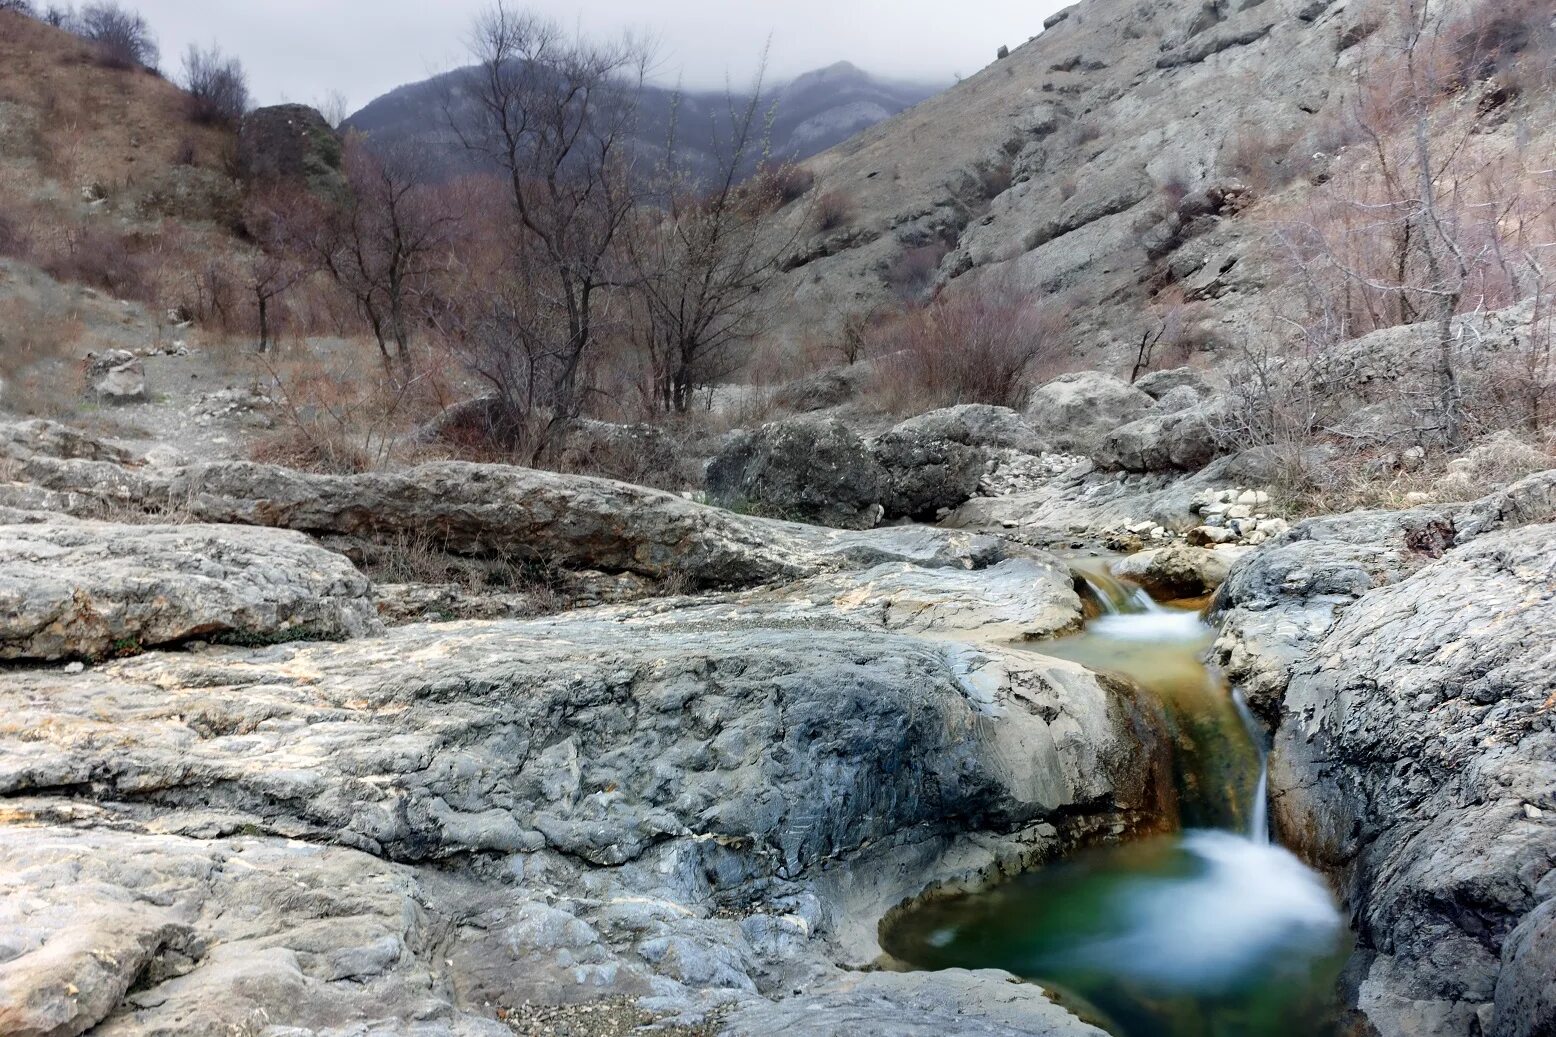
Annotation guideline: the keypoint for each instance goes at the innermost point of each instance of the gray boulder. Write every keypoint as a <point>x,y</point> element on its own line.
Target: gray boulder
<point>925,474</point>
<point>116,376</point>
<point>975,424</point>
<point>1178,571</point>
<point>1159,384</point>
<point>1183,440</point>
<point>72,589</point>
<point>1076,412</point>
<point>824,389</point>
<point>808,471</point>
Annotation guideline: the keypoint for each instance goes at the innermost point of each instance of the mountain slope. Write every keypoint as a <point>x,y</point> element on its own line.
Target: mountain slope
<point>1058,173</point>
<point>815,111</point>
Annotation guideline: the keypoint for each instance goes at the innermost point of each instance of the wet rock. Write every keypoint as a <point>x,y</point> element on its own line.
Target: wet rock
<point>1178,571</point>
<point>1412,737</point>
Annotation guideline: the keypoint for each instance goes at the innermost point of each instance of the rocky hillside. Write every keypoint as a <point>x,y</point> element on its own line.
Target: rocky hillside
<point>1128,164</point>
<point>812,112</point>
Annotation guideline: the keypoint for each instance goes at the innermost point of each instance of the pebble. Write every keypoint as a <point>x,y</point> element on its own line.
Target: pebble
<point>75,667</point>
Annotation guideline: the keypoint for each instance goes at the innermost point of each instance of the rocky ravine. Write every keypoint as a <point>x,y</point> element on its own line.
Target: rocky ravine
<point>691,810</point>
<point>1407,660</point>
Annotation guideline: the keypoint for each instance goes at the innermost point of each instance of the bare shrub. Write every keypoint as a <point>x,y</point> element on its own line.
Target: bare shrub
<point>994,178</point>
<point>102,258</point>
<point>912,273</point>
<point>790,181</point>
<point>833,210</point>
<point>338,414</point>
<point>121,38</point>
<point>974,346</point>
<point>217,87</point>
<point>1084,132</point>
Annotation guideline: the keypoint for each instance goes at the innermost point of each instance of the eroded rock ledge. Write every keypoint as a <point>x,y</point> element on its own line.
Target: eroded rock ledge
<point>1407,658</point>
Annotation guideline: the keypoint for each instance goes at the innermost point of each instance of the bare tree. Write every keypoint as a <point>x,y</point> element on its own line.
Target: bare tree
<point>1428,227</point>
<point>217,86</point>
<point>701,253</point>
<point>554,115</point>
<point>123,38</point>
<point>384,245</point>
<point>276,219</point>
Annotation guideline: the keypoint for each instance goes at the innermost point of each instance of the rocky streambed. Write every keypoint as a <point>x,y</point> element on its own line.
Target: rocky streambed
<point>693,811</point>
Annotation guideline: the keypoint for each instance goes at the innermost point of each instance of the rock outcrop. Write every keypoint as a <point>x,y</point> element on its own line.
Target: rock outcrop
<point>1077,412</point>
<point>291,144</point>
<point>451,825</point>
<point>1410,679</point>
<point>518,514</point>
<point>89,589</point>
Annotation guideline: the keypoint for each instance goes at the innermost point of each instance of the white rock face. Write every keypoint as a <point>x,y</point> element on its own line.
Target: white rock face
<point>87,589</point>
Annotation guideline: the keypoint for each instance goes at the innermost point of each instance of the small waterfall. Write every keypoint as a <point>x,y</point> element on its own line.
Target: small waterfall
<point>1259,812</point>
<point>1116,597</point>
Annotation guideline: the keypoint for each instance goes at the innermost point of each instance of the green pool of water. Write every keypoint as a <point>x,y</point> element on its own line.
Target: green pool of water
<point>1212,932</point>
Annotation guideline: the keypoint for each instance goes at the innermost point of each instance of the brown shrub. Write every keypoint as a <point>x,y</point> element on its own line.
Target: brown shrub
<point>789,181</point>
<point>833,210</point>
<point>973,346</point>
<point>912,273</point>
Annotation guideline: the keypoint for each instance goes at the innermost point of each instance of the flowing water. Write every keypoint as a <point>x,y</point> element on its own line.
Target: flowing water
<point>1213,932</point>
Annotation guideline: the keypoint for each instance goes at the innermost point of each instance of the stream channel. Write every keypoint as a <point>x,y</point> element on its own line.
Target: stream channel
<point>1212,931</point>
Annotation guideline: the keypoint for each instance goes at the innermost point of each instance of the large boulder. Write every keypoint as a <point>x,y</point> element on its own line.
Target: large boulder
<point>1178,571</point>
<point>975,424</point>
<point>74,589</point>
<point>925,474</point>
<point>1183,439</point>
<point>1076,412</point>
<point>807,471</point>
<point>115,376</point>
<point>1178,380</point>
<point>291,144</point>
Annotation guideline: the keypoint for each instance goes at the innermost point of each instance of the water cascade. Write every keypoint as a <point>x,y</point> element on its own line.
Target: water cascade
<point>1212,931</point>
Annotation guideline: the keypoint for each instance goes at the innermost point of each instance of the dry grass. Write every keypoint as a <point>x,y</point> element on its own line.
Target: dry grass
<point>1394,481</point>
<point>40,372</point>
<point>100,125</point>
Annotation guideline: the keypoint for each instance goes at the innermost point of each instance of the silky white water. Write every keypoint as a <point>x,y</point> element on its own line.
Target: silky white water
<point>1212,931</point>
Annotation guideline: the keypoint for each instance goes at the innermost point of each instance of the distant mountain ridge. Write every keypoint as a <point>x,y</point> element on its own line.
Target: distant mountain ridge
<point>813,112</point>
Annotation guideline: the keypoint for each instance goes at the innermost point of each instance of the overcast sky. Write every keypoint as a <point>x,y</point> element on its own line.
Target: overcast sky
<point>300,50</point>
